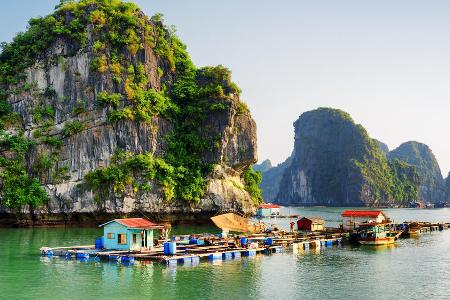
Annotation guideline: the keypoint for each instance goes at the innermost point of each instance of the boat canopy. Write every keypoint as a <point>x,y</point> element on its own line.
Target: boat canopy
<point>234,222</point>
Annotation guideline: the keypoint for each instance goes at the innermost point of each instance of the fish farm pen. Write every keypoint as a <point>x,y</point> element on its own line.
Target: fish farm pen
<point>191,249</point>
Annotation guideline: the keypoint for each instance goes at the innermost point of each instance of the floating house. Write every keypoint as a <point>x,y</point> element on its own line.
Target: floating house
<point>129,234</point>
<point>353,218</point>
<point>310,224</point>
<point>267,210</point>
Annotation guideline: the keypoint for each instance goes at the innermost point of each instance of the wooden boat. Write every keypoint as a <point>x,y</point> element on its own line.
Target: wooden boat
<point>233,222</point>
<point>376,234</point>
<point>414,229</point>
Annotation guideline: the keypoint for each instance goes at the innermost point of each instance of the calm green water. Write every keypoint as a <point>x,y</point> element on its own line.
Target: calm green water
<point>413,269</point>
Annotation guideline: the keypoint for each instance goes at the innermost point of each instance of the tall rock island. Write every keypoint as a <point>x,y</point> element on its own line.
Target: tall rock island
<point>336,163</point>
<point>102,112</point>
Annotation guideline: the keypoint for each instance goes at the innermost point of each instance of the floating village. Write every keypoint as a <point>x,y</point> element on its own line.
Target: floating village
<point>131,239</point>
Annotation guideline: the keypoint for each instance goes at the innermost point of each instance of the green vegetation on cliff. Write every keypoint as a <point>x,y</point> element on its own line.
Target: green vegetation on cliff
<point>430,176</point>
<point>121,176</point>
<point>405,181</point>
<point>116,33</point>
<point>252,180</point>
<point>17,186</point>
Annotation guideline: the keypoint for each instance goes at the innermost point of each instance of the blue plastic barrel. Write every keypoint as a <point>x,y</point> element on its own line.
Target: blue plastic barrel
<point>99,243</point>
<point>196,242</point>
<point>243,242</point>
<point>269,241</point>
<point>170,248</point>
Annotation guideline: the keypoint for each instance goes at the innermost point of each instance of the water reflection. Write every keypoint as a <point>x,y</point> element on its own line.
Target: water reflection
<point>413,268</point>
<point>378,248</point>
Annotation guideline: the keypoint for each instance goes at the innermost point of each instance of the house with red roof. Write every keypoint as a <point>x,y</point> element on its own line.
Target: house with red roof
<point>310,224</point>
<point>267,210</point>
<point>129,234</point>
<point>353,218</point>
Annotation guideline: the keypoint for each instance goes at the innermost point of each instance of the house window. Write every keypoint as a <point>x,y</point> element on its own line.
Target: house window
<point>110,235</point>
<point>134,238</point>
<point>122,239</point>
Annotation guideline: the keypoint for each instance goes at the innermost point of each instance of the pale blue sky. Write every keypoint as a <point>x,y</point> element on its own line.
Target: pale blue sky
<point>387,63</point>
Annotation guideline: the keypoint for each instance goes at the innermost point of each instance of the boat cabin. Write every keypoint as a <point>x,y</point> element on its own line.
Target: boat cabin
<point>129,234</point>
<point>310,224</point>
<point>267,210</point>
<point>352,219</point>
<point>376,234</point>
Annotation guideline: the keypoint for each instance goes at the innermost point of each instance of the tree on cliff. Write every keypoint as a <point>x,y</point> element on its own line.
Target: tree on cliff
<point>101,78</point>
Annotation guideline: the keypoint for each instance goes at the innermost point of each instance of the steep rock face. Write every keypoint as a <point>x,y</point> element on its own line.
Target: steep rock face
<point>63,79</point>
<point>383,147</point>
<point>447,186</point>
<point>334,163</point>
<point>420,155</point>
<point>263,167</point>
<point>270,184</point>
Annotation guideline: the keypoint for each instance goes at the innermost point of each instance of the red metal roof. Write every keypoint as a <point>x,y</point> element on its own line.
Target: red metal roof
<point>362,213</point>
<point>269,205</point>
<point>373,224</point>
<point>135,223</point>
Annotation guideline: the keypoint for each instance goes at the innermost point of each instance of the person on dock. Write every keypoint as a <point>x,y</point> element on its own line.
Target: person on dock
<point>237,241</point>
<point>291,226</point>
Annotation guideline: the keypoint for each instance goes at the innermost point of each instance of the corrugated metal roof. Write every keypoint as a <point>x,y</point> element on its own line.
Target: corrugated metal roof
<point>135,223</point>
<point>269,205</point>
<point>373,224</point>
<point>361,213</point>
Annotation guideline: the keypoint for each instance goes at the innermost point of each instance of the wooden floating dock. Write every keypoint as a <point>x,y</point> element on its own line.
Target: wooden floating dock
<point>226,248</point>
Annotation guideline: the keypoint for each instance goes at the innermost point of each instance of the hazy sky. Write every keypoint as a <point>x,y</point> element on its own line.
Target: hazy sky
<point>387,63</point>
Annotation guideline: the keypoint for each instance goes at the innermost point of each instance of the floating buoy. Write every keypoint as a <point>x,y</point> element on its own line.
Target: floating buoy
<point>82,255</point>
<point>127,259</point>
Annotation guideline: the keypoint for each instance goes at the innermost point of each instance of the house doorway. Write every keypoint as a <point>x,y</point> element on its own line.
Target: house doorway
<point>134,241</point>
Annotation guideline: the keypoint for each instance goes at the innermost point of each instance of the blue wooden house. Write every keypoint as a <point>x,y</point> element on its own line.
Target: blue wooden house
<point>129,234</point>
